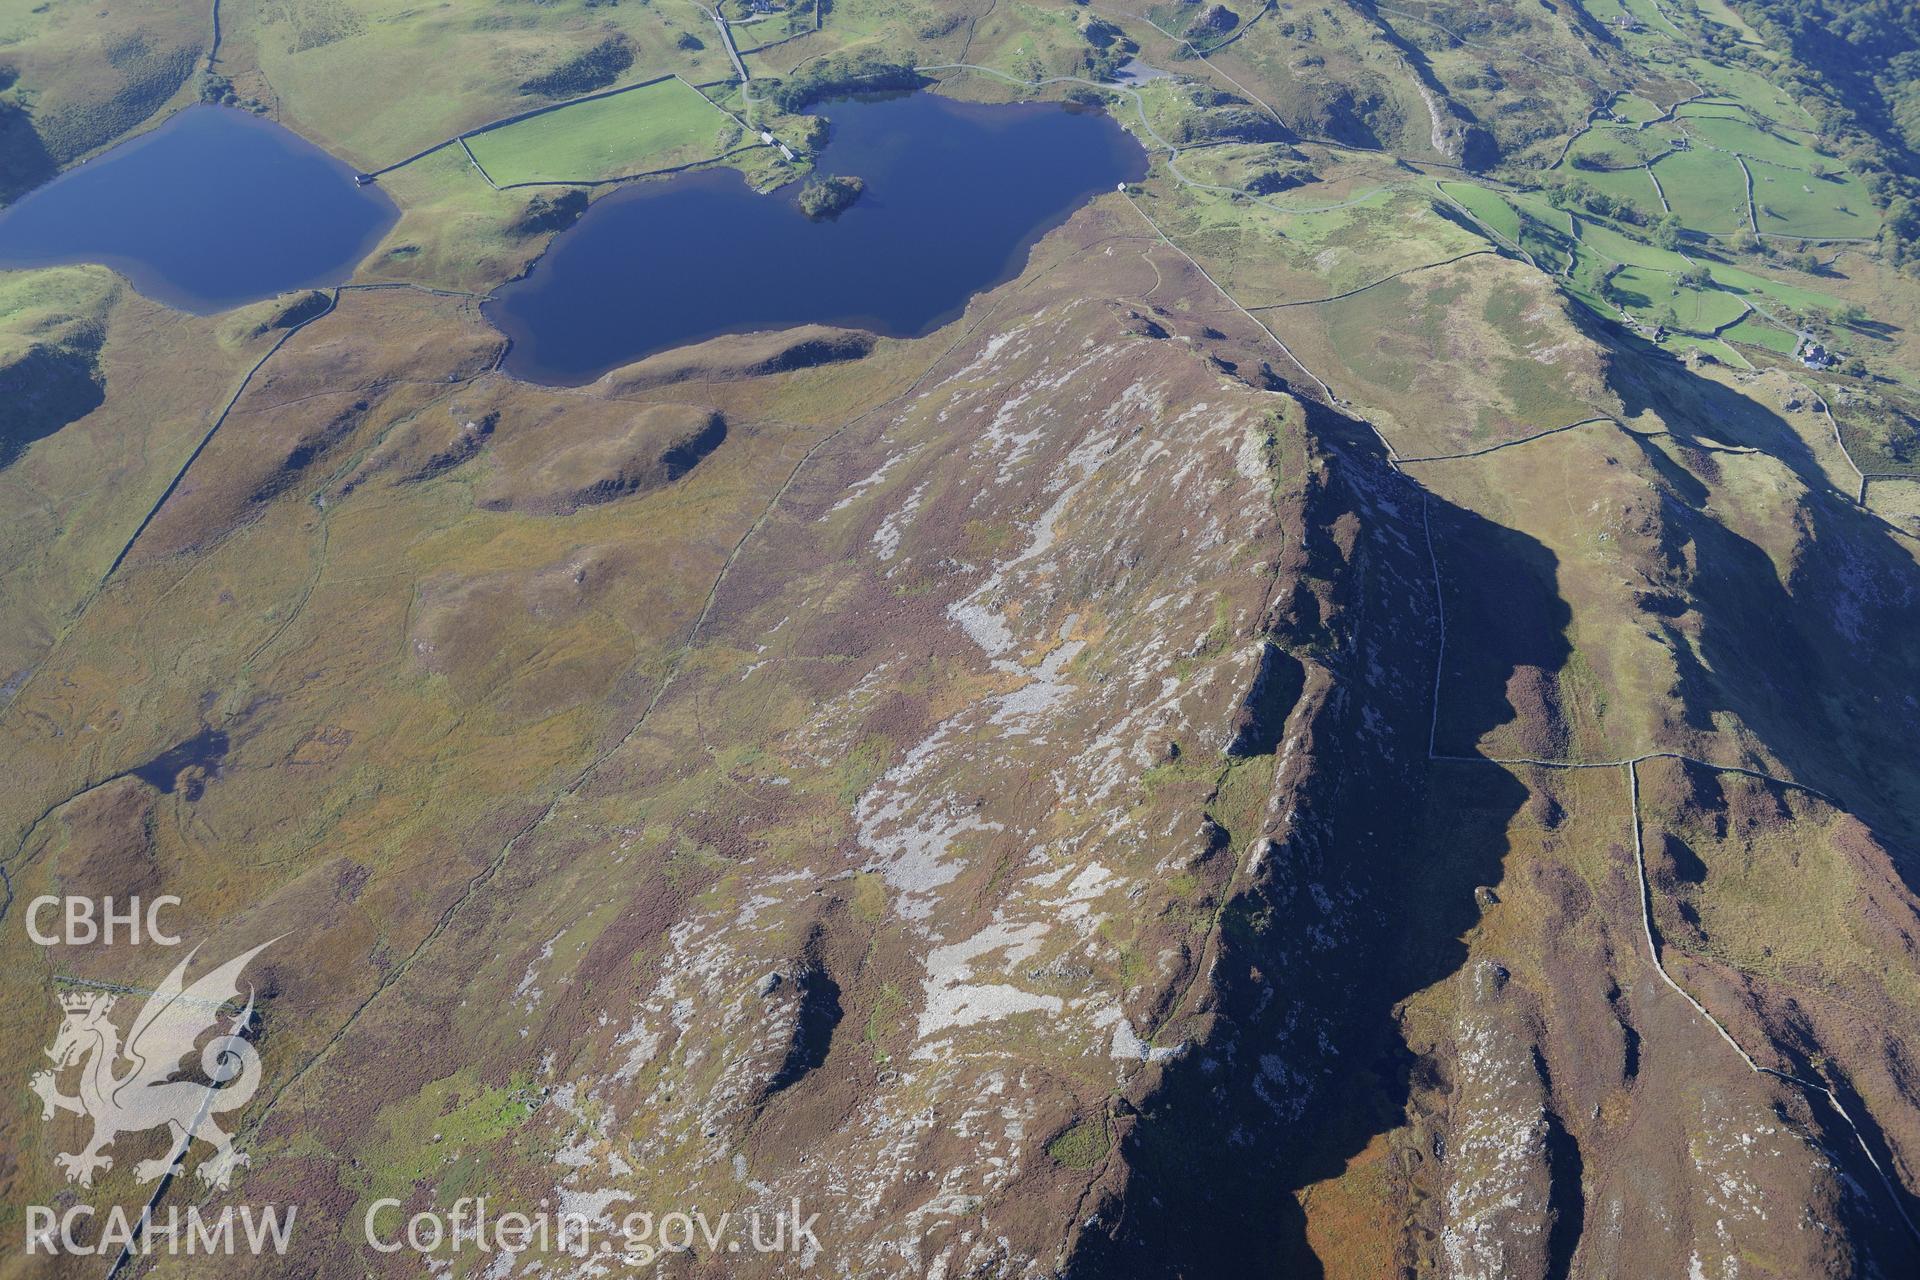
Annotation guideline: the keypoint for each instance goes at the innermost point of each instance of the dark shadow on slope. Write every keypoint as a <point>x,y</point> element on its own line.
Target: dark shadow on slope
<point>1819,660</point>
<point>1879,1232</point>
<point>24,160</point>
<point>1262,719</point>
<point>1506,636</point>
<point>1358,903</point>
<point>814,1023</point>
<point>1566,1196</point>
<point>47,388</point>
<point>684,455</point>
<point>1696,409</point>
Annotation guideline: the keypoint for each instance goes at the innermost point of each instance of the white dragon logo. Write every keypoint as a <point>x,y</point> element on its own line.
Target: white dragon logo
<point>145,1095</point>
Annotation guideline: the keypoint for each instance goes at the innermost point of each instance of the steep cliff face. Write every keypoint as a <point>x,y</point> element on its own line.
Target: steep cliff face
<point>1291,1064</point>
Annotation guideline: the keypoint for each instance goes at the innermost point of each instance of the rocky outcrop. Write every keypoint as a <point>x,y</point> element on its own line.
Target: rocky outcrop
<point>557,472</point>
<point>750,356</point>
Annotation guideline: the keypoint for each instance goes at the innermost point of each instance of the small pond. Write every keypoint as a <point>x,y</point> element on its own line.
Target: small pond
<point>956,193</point>
<point>214,208</point>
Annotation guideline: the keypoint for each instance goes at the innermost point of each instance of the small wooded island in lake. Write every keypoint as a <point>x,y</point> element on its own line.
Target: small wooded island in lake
<point>827,197</point>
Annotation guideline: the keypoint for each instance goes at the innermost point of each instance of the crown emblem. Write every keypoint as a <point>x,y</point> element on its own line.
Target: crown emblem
<point>83,1001</point>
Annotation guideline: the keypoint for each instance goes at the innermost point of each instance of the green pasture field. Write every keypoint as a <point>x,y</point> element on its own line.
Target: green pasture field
<point>1705,311</point>
<point>1650,13</point>
<point>1749,87</point>
<point>1656,29</point>
<point>856,20</point>
<point>1488,206</point>
<point>1719,350</point>
<point>455,232</point>
<point>1706,189</point>
<point>1700,311</point>
<point>656,126</point>
<point>1545,232</point>
<point>1751,141</point>
<point>1769,294</point>
<point>749,37</point>
<point>1713,109</point>
<point>1634,186</point>
<point>1631,106</point>
<point>376,80</point>
<point>1796,203</point>
<point>1648,281</point>
<point>1613,246</point>
<point>1755,331</point>
<point>1723,13</point>
<point>1584,285</point>
<point>1523,218</point>
<point>1615,147</point>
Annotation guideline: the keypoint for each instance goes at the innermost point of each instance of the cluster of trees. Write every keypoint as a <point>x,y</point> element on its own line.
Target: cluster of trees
<point>1900,231</point>
<point>1107,48</point>
<point>597,68</point>
<point>832,77</point>
<point>1578,193</point>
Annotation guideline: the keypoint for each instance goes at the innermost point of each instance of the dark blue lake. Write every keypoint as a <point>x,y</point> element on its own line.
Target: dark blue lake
<point>956,193</point>
<point>214,208</point>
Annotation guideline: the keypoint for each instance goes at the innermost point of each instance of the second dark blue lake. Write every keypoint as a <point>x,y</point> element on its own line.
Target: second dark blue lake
<point>214,208</point>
